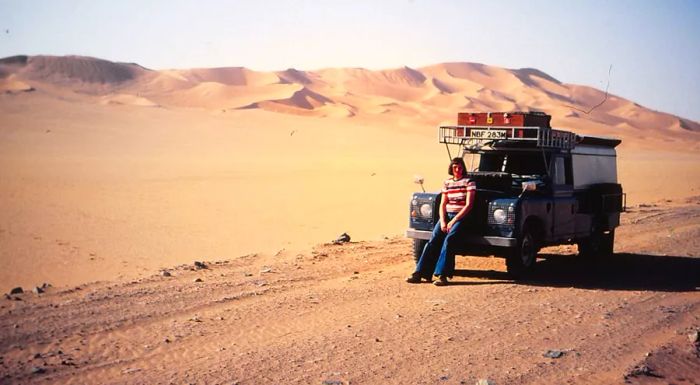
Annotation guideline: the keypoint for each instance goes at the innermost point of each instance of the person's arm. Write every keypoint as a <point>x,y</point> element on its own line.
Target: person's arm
<point>443,212</point>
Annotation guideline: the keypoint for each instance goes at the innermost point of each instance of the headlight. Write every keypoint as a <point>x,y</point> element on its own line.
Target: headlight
<point>426,210</point>
<point>502,212</point>
<point>499,216</point>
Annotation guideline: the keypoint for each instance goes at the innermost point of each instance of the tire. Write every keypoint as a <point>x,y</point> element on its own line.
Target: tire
<point>521,260</point>
<point>599,245</point>
<point>418,246</point>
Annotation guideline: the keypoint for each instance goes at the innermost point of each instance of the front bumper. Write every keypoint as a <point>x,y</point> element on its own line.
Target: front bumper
<point>469,239</point>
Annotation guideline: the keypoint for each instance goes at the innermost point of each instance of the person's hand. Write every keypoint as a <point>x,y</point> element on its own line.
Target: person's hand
<point>449,226</point>
<point>443,226</point>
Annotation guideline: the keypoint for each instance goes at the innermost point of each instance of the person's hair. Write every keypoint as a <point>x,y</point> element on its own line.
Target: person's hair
<point>458,161</point>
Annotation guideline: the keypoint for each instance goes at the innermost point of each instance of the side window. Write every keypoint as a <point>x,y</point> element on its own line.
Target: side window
<point>562,171</point>
<point>559,170</point>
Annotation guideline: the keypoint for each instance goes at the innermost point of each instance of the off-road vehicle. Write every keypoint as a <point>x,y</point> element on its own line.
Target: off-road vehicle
<point>536,187</point>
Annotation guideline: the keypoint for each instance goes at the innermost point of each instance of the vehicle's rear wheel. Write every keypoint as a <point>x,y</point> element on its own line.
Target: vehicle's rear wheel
<point>521,260</point>
<point>599,245</point>
<point>418,246</point>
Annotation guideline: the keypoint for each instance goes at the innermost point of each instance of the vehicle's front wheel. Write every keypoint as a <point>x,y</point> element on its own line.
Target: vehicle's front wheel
<point>521,260</point>
<point>418,246</point>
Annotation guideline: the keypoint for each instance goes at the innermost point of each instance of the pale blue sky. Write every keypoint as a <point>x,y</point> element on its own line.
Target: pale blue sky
<point>653,46</point>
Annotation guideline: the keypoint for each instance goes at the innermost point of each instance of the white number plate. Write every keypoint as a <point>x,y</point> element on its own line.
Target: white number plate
<point>489,134</point>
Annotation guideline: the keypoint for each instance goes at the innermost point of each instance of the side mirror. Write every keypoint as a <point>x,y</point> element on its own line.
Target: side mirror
<point>417,179</point>
<point>529,186</point>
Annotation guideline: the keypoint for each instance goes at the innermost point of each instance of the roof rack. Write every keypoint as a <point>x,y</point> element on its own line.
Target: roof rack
<point>541,137</point>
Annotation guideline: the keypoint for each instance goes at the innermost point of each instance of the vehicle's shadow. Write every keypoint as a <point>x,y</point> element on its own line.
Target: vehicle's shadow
<point>623,271</point>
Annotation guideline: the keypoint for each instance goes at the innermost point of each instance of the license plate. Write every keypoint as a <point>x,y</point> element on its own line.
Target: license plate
<point>489,134</point>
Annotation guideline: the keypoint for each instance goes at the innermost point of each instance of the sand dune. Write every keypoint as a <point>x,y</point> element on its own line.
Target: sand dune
<point>295,76</point>
<point>127,99</point>
<point>438,90</point>
<point>11,84</point>
<point>232,76</point>
<point>80,69</point>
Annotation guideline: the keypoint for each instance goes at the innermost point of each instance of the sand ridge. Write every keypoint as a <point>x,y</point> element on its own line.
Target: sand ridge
<point>436,90</point>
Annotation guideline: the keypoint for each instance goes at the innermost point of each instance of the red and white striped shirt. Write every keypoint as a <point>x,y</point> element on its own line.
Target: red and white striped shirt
<point>455,193</point>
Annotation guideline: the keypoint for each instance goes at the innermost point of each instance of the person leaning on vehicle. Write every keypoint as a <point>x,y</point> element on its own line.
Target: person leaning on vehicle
<point>438,257</point>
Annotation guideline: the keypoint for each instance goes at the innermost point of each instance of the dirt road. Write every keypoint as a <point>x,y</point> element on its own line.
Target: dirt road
<point>342,314</point>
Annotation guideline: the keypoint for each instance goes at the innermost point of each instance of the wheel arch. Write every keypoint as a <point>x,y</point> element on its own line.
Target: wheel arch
<point>536,226</point>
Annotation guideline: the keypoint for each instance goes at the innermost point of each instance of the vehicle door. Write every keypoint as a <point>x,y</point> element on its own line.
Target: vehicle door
<point>563,197</point>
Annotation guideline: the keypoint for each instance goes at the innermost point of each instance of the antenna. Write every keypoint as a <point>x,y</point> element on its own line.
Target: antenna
<point>601,102</point>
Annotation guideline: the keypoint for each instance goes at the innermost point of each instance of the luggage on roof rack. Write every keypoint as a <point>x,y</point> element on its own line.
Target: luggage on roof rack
<point>510,119</point>
<point>527,128</point>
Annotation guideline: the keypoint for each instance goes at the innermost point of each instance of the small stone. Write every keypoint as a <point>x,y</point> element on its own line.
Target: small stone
<point>642,370</point>
<point>553,353</point>
<point>694,337</point>
<point>165,273</point>
<point>485,381</point>
<point>200,265</point>
<point>38,355</point>
<point>167,340</point>
<point>38,290</point>
<point>38,370</point>
<point>198,280</point>
<point>17,290</point>
<point>343,238</point>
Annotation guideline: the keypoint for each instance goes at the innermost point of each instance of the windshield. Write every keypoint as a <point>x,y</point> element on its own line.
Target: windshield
<point>517,163</point>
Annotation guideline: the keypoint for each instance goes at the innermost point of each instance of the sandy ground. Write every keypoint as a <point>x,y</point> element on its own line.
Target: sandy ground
<point>340,314</point>
<point>92,192</point>
<point>111,174</point>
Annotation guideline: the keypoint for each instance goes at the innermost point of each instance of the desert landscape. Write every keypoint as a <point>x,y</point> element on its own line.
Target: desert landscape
<point>115,179</point>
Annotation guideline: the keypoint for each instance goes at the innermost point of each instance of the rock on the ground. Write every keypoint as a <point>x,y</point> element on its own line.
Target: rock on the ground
<point>16,290</point>
<point>553,353</point>
<point>38,370</point>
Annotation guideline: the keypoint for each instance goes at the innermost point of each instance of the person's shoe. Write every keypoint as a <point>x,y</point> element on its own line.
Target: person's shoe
<point>441,281</point>
<point>414,278</point>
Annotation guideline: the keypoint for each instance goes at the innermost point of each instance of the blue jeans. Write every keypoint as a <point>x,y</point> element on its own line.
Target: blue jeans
<point>438,257</point>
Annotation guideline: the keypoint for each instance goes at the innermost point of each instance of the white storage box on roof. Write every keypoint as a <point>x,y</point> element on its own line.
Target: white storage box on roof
<point>594,161</point>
